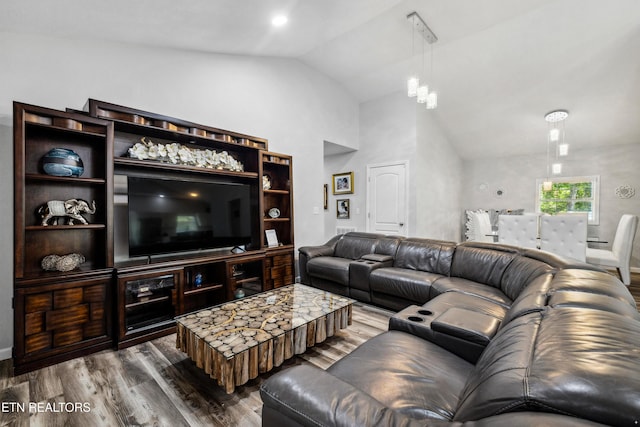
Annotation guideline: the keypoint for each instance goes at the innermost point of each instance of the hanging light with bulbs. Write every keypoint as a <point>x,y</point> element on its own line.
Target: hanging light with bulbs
<point>415,86</point>
<point>556,143</point>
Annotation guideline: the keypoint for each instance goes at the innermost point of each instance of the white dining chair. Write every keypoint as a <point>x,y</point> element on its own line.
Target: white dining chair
<point>479,226</point>
<point>564,235</point>
<point>620,254</point>
<point>518,230</point>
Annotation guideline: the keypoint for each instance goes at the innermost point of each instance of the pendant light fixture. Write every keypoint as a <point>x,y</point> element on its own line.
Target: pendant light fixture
<point>414,86</point>
<point>414,81</point>
<point>556,143</point>
<point>432,97</point>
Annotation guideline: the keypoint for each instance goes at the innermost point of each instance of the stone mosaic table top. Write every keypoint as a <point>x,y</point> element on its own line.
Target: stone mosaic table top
<point>233,327</point>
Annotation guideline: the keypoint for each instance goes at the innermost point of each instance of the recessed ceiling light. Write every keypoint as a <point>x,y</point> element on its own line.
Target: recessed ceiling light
<point>279,21</point>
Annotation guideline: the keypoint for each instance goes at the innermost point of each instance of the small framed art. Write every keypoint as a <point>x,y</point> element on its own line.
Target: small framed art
<point>342,209</point>
<point>343,183</point>
<point>326,197</point>
<point>272,238</point>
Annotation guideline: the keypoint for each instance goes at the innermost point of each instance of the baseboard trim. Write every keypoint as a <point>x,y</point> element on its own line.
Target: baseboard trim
<point>634,269</point>
<point>5,353</point>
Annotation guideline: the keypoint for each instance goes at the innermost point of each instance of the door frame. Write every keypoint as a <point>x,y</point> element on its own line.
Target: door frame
<point>404,163</point>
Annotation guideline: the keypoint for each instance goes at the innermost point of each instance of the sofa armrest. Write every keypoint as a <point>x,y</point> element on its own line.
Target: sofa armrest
<point>465,333</point>
<point>360,270</point>
<point>327,249</point>
<point>310,396</point>
<point>316,251</point>
<point>378,258</point>
<point>414,320</point>
<point>306,253</point>
<point>477,328</point>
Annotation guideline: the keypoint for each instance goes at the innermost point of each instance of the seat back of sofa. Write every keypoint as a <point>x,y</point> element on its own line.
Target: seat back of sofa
<point>354,245</point>
<point>388,245</point>
<point>434,256</point>
<point>484,263</point>
<point>520,273</point>
<point>531,264</point>
<point>508,268</point>
<point>577,361</point>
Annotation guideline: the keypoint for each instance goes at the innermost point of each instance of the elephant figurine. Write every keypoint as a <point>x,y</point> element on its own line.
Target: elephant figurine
<point>72,209</point>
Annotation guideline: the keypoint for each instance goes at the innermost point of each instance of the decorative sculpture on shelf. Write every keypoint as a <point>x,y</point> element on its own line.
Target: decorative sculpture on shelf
<point>62,262</point>
<point>266,182</point>
<point>72,209</point>
<point>179,154</point>
<point>62,162</point>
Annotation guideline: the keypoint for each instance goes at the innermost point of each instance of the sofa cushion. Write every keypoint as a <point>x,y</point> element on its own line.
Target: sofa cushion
<point>388,245</point>
<point>464,286</point>
<point>406,374</point>
<point>593,301</point>
<point>520,272</point>
<point>595,282</point>
<point>468,325</point>
<point>354,245</point>
<point>448,300</point>
<point>532,299</point>
<point>330,268</point>
<point>425,255</point>
<point>483,263</point>
<point>573,361</point>
<point>406,284</point>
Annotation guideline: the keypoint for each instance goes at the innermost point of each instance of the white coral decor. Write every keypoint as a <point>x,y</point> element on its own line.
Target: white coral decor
<point>181,154</point>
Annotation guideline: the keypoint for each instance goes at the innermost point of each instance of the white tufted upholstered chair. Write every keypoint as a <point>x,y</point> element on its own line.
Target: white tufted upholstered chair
<point>564,235</point>
<point>518,230</point>
<point>620,254</point>
<point>479,226</point>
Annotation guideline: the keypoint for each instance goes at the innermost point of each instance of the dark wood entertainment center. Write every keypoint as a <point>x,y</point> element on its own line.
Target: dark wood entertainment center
<point>110,302</point>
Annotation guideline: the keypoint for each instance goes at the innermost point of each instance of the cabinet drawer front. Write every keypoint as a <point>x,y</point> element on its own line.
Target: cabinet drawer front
<point>66,317</point>
<point>279,260</point>
<point>38,302</point>
<point>67,297</point>
<point>58,316</point>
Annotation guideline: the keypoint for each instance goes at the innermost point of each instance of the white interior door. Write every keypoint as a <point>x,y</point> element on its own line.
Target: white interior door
<point>387,198</point>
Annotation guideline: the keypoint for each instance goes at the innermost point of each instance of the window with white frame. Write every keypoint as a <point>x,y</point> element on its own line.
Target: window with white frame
<point>578,194</point>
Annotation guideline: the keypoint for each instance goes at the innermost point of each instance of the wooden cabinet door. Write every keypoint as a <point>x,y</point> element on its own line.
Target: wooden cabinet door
<point>55,322</point>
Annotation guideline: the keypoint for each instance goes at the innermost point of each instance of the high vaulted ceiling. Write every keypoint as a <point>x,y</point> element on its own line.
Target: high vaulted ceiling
<point>499,65</point>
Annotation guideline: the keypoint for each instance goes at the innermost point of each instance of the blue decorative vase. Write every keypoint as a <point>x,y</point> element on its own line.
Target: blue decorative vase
<point>62,162</point>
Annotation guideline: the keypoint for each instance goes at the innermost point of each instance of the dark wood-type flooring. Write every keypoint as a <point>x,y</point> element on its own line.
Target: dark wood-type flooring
<point>154,384</point>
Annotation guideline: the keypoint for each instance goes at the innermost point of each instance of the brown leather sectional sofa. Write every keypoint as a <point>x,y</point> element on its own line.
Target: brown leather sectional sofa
<point>486,335</point>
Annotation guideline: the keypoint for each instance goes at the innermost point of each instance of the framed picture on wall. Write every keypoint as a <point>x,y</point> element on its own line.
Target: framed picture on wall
<point>342,208</point>
<point>343,183</point>
<point>326,197</point>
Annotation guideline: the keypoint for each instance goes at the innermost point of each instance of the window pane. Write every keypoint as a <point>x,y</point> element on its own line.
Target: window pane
<point>569,195</point>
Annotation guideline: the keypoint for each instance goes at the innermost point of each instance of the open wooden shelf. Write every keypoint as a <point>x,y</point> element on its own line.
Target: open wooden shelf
<point>203,288</point>
<point>154,165</point>
<point>136,300</point>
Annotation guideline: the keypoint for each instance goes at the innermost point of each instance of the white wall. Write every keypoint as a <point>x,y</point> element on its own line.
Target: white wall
<point>293,106</point>
<point>387,133</point>
<point>516,176</point>
<point>394,128</point>
<point>438,181</point>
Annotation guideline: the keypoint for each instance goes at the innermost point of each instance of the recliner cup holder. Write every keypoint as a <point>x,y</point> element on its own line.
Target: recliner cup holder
<point>425,312</point>
<point>416,319</point>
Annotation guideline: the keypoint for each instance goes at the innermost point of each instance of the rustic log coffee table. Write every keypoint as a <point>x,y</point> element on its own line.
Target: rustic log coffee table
<point>236,341</point>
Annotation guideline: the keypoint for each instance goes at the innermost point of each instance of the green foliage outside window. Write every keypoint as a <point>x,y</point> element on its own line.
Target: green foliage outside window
<point>571,194</point>
<point>567,197</point>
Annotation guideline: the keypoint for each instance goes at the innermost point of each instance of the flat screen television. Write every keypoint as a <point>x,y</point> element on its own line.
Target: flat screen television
<point>167,215</point>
